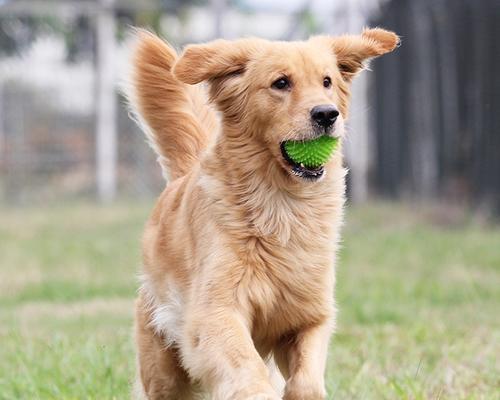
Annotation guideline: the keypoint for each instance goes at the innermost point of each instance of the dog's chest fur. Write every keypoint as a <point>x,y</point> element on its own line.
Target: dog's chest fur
<point>286,288</point>
<point>286,247</point>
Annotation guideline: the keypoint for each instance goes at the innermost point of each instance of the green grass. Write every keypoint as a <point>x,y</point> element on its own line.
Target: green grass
<point>419,305</point>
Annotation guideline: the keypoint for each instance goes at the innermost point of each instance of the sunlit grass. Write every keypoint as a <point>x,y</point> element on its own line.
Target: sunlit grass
<point>419,305</point>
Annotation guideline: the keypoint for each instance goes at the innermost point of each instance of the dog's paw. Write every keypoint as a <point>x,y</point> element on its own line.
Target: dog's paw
<point>257,391</point>
<point>298,389</point>
<point>305,394</point>
<point>263,396</point>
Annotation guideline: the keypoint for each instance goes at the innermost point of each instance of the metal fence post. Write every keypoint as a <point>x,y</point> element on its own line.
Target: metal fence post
<point>106,140</point>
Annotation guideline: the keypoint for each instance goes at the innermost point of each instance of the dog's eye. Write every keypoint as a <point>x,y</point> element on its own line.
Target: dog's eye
<point>327,82</point>
<point>281,84</point>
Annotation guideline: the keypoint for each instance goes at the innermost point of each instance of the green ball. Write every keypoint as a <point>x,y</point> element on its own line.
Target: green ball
<point>311,153</point>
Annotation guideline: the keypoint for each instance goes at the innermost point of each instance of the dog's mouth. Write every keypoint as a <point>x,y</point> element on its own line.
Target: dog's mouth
<point>300,170</point>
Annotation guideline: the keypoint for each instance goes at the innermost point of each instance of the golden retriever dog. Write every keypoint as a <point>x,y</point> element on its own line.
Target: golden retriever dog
<point>239,251</point>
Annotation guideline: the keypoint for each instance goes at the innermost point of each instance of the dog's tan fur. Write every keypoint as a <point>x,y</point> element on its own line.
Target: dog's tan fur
<point>238,253</point>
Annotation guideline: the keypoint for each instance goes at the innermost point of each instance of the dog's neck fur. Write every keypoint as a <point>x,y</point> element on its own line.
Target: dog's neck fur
<point>263,192</point>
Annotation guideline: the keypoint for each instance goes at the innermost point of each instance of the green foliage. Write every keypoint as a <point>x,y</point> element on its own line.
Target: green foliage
<point>418,305</point>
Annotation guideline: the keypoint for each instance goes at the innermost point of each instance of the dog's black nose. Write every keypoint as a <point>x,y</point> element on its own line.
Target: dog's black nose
<point>325,114</point>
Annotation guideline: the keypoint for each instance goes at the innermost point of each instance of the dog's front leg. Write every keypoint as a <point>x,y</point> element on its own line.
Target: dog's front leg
<point>303,362</point>
<point>219,351</point>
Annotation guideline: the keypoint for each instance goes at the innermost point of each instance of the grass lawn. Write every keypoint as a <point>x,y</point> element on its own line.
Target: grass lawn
<point>419,305</point>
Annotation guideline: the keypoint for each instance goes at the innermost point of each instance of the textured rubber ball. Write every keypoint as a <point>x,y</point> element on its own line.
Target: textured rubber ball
<point>311,153</point>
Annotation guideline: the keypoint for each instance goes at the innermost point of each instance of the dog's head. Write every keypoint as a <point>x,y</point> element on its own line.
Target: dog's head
<point>279,91</point>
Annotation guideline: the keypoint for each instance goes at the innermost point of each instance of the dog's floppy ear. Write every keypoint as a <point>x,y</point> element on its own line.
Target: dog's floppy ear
<point>200,62</point>
<point>353,51</point>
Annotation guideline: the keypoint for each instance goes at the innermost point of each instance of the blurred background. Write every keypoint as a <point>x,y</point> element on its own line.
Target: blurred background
<point>423,127</point>
<point>420,269</point>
